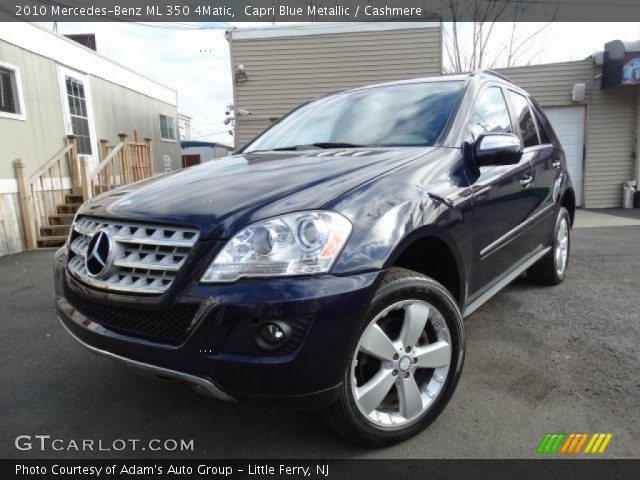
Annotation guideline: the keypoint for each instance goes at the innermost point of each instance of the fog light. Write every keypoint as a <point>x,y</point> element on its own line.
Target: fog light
<point>272,335</point>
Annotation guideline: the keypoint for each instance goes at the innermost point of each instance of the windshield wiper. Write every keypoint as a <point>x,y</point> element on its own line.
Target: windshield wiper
<point>319,145</point>
<point>310,146</point>
<point>336,145</point>
<point>295,147</point>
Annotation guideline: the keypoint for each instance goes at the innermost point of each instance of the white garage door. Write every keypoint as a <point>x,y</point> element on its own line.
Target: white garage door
<point>568,123</point>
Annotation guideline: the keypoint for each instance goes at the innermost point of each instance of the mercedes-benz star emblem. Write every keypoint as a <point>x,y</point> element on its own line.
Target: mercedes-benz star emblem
<point>99,253</point>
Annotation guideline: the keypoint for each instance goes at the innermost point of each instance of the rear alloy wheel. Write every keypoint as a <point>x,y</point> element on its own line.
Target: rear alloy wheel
<point>552,268</point>
<point>405,364</point>
<point>561,250</point>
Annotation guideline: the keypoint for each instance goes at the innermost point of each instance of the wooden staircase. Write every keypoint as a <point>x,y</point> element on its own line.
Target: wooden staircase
<point>48,203</point>
<point>58,225</point>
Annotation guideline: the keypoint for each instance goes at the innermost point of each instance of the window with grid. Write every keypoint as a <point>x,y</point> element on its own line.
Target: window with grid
<point>167,127</point>
<point>8,94</point>
<point>76,97</point>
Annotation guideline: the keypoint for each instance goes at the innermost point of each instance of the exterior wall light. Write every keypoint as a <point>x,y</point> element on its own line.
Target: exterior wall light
<point>241,75</point>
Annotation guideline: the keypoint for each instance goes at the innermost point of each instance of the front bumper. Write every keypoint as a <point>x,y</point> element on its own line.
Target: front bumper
<point>309,376</point>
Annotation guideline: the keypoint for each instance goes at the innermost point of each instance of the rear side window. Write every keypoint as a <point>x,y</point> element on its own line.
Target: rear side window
<point>524,118</point>
<point>543,126</point>
<point>544,136</point>
<point>490,113</point>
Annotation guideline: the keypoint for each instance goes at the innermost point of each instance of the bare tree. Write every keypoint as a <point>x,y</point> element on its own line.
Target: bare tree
<point>487,34</point>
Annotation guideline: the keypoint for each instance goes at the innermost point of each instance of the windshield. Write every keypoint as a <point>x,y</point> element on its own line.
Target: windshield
<point>412,114</point>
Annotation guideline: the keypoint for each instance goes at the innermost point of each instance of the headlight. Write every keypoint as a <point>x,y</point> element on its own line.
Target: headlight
<point>302,243</point>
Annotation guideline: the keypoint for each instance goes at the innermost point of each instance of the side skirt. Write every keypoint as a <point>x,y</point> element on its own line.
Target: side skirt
<point>504,280</point>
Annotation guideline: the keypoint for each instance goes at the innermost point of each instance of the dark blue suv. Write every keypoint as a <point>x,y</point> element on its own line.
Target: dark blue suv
<point>331,261</point>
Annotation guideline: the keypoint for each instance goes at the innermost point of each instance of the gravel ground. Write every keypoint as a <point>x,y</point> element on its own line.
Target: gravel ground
<point>539,359</point>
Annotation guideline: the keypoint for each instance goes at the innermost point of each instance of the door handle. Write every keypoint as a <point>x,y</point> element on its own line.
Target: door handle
<point>526,181</point>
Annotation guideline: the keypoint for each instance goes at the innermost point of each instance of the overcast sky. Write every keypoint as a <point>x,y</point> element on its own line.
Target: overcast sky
<point>196,62</point>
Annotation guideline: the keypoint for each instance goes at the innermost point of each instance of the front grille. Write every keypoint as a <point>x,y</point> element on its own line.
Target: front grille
<point>144,258</point>
<point>241,338</point>
<point>168,325</point>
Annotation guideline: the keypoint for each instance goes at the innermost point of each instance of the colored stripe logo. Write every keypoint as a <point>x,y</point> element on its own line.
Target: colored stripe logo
<point>573,443</point>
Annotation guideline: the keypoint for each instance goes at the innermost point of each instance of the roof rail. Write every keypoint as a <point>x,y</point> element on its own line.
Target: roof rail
<point>488,71</point>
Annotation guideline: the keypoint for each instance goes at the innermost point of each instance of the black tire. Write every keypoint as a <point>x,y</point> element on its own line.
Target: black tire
<point>545,271</point>
<point>399,284</point>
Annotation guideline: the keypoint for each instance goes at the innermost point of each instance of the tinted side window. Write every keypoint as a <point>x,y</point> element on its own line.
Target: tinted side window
<point>543,126</point>
<point>525,121</point>
<point>490,113</point>
<point>544,136</point>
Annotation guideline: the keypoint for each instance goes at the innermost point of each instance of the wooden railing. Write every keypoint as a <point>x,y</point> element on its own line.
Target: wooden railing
<point>141,155</point>
<point>120,164</point>
<point>66,176</point>
<point>46,188</point>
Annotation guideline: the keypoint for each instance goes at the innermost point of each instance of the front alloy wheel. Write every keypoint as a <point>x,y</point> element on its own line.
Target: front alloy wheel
<point>405,363</point>
<point>400,363</point>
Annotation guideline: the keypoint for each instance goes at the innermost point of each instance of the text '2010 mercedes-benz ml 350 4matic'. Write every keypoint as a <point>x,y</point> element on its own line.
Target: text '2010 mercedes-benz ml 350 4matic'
<point>329,262</point>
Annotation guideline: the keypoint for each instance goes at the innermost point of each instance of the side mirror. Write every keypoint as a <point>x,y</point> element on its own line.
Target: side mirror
<point>497,149</point>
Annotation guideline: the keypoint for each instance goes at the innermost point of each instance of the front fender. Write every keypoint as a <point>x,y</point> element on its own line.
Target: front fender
<point>425,197</point>
<point>382,234</point>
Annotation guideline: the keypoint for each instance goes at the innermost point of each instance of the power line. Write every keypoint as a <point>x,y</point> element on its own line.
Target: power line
<point>210,134</point>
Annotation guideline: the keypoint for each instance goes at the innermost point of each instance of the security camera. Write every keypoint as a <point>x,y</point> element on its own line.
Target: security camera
<point>242,111</point>
<point>228,120</point>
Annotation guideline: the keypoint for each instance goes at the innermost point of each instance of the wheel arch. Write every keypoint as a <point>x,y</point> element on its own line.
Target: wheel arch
<point>432,251</point>
<point>568,201</point>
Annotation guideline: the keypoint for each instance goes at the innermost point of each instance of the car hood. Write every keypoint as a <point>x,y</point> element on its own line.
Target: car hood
<point>223,195</point>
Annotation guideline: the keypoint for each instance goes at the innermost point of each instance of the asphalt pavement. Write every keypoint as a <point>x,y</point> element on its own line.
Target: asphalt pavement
<point>539,359</point>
